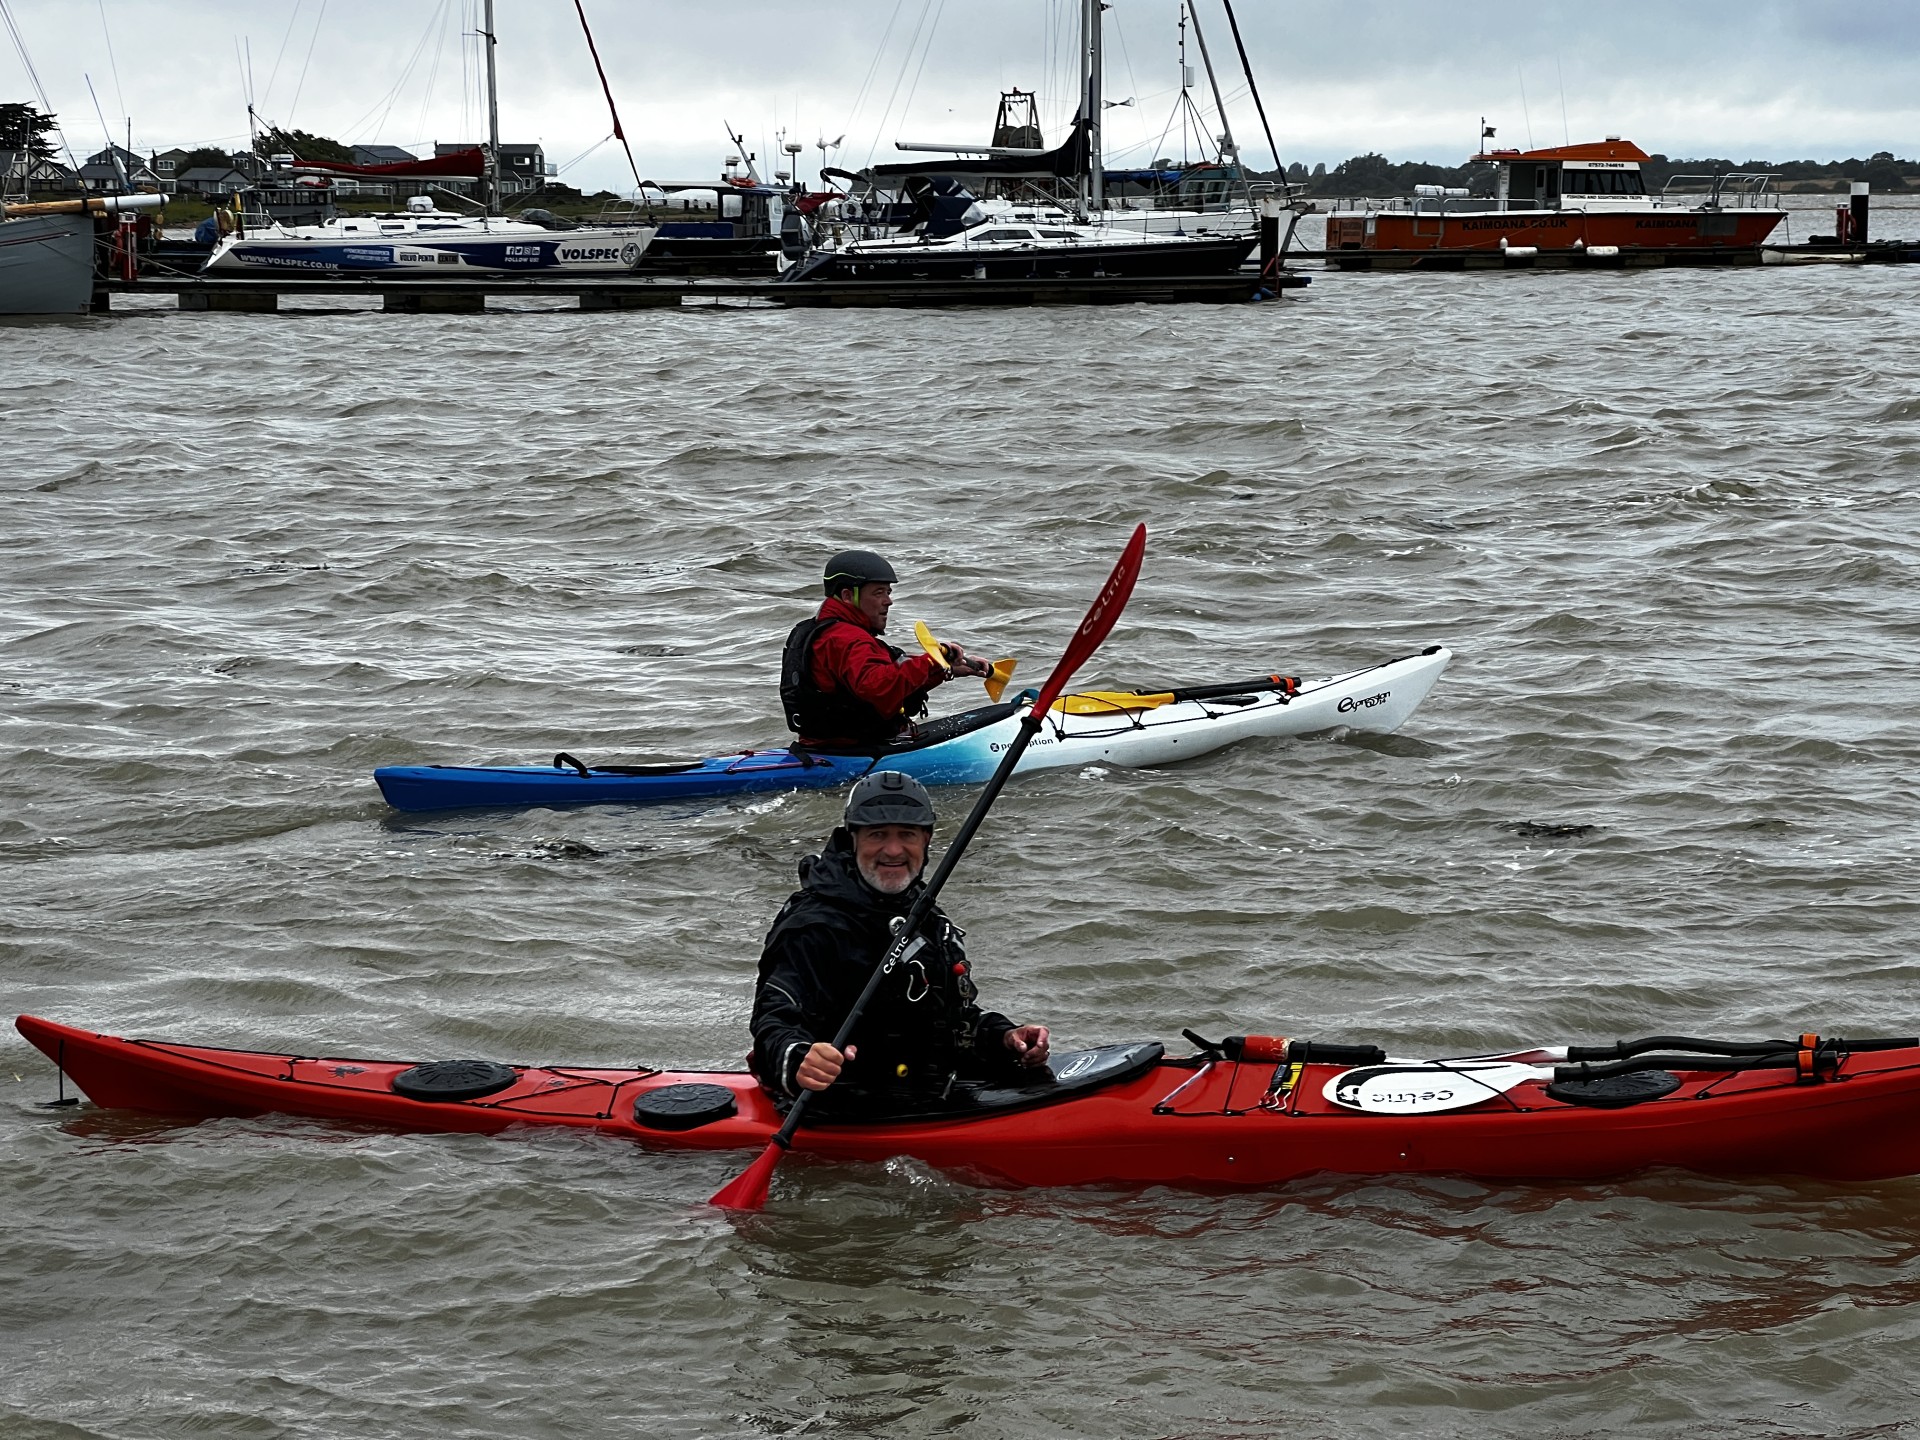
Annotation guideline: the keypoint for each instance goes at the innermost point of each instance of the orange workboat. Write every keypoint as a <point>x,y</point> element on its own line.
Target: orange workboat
<point>1571,205</point>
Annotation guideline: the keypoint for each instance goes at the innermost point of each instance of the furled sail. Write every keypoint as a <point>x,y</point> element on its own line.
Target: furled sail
<point>468,164</point>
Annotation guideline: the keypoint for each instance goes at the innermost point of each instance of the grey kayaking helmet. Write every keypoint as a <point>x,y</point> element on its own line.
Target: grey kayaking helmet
<point>851,569</point>
<point>886,797</point>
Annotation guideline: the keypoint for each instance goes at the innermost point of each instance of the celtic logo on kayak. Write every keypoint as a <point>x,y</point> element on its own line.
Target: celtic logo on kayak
<point>1348,704</point>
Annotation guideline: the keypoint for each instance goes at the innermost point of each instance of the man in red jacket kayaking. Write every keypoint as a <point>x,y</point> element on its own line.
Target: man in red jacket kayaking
<point>923,1037</point>
<point>841,685</point>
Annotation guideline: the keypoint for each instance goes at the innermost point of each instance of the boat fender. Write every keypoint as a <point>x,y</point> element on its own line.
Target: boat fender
<point>1615,1092</point>
<point>449,1080</point>
<point>683,1107</point>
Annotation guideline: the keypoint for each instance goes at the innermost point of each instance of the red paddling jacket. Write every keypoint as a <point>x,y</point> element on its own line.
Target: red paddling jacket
<point>842,685</point>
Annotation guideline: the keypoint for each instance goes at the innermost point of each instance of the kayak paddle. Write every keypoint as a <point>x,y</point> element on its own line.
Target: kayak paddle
<point>1097,702</point>
<point>996,678</point>
<point>748,1190</point>
<point>931,645</point>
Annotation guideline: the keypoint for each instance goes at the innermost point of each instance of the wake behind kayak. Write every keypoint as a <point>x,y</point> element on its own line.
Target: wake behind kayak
<point>1095,728</point>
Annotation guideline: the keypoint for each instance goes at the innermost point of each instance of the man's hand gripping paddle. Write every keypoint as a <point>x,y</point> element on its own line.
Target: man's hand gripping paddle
<point>748,1190</point>
<point>996,678</point>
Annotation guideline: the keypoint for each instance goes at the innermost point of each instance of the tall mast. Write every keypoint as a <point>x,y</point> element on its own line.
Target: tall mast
<point>1228,149</point>
<point>493,119</point>
<point>1096,165</point>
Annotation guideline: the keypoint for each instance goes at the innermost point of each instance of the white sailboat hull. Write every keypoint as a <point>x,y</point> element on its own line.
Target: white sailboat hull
<point>454,246</point>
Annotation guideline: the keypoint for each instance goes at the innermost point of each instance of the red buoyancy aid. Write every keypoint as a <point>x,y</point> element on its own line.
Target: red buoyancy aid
<point>842,684</point>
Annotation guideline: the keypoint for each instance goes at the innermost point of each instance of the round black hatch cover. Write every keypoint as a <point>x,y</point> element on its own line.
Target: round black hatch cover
<point>1616,1091</point>
<point>453,1080</point>
<point>682,1107</point>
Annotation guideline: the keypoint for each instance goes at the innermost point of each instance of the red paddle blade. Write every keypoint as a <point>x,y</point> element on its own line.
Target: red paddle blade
<point>748,1189</point>
<point>1106,609</point>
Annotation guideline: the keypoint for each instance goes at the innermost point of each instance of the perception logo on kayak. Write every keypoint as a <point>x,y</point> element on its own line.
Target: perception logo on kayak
<point>1348,704</point>
<point>996,746</point>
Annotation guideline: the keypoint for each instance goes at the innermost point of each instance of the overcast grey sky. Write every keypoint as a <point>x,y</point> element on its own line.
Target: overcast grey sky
<point>1775,79</point>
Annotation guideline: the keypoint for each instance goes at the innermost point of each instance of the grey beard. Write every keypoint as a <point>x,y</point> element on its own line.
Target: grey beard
<point>874,879</point>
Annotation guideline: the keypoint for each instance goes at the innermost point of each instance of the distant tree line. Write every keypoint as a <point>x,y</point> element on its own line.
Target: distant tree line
<point>1376,175</point>
<point>275,141</point>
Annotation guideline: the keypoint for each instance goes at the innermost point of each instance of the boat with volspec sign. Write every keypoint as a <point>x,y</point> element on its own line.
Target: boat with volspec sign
<point>1128,728</point>
<point>1244,1111</point>
<point>1568,205</point>
<point>425,241</point>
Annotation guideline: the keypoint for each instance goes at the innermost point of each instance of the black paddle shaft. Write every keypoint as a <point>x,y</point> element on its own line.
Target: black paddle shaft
<point>1628,1049</point>
<point>905,940</point>
<point>1286,684</point>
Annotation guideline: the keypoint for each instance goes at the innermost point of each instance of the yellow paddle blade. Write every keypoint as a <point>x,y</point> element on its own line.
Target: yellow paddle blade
<point>1106,702</point>
<point>997,678</point>
<point>929,644</point>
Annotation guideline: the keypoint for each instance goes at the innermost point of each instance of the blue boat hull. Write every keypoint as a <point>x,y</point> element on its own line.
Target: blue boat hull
<point>966,751</point>
<point>446,787</point>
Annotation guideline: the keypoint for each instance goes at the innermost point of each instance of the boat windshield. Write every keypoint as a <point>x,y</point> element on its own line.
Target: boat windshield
<point>1602,182</point>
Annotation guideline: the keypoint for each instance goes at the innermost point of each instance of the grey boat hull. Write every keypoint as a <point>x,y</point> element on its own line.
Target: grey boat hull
<point>46,265</point>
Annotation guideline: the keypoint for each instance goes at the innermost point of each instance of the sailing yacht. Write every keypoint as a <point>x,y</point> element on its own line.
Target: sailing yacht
<point>1027,244</point>
<point>423,239</point>
<point>1022,227</point>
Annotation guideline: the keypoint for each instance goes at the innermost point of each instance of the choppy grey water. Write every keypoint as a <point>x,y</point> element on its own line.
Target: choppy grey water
<point>1667,520</point>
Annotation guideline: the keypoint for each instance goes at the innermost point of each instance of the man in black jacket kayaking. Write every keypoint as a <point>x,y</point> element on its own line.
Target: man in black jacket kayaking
<point>922,1031</point>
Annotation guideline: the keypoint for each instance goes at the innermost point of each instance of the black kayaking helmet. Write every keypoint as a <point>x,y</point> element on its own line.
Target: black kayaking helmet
<point>886,797</point>
<point>851,569</point>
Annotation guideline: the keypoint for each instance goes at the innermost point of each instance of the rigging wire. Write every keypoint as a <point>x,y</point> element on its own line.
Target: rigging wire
<point>939,5</point>
<point>591,149</point>
<point>312,40</point>
<point>113,150</point>
<point>913,42</point>
<point>433,77</point>
<point>113,65</point>
<point>1133,85</point>
<point>873,65</point>
<point>33,77</point>
<point>280,54</point>
<point>366,123</point>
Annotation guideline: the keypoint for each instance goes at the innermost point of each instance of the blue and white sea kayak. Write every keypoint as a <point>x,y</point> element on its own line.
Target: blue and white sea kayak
<point>1095,728</point>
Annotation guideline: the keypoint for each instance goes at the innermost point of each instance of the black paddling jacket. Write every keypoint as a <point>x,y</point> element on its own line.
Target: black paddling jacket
<point>824,944</point>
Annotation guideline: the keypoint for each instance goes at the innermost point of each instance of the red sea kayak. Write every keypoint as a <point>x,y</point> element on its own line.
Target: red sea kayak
<point>1245,1112</point>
